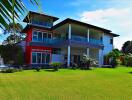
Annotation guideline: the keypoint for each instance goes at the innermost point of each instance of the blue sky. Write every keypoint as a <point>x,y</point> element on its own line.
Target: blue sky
<point>111,14</point>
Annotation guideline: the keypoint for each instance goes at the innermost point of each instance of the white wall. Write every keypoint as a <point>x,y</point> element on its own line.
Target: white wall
<point>57,58</point>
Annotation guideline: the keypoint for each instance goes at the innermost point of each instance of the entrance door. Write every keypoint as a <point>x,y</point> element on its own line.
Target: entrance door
<point>76,59</point>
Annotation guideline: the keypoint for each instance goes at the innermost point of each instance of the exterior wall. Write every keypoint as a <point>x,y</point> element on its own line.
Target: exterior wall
<point>107,46</point>
<point>28,49</point>
<point>57,58</point>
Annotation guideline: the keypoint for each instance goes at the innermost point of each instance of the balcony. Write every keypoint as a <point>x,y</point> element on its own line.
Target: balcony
<point>60,42</point>
<point>83,39</point>
<point>44,24</point>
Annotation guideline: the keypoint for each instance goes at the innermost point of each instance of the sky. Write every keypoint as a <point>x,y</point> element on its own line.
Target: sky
<point>115,15</point>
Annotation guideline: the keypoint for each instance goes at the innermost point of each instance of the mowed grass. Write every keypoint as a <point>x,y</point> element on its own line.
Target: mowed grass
<point>67,84</point>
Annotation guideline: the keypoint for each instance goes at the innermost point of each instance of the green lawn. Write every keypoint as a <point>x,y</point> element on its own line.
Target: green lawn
<point>66,84</point>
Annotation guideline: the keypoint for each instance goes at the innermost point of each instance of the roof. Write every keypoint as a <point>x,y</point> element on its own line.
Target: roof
<point>37,13</point>
<point>68,20</point>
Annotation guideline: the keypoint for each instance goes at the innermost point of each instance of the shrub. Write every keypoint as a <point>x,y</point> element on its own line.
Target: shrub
<point>128,60</point>
<point>113,63</point>
<point>55,65</point>
<point>9,70</point>
<point>87,62</point>
<point>37,69</point>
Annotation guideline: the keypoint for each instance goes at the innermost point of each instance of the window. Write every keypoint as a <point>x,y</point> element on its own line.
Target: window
<point>34,56</point>
<point>35,36</point>
<point>49,35</point>
<point>111,41</point>
<point>40,57</point>
<point>39,36</point>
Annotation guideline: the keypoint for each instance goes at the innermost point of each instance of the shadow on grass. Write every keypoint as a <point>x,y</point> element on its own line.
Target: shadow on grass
<point>130,72</point>
<point>50,70</point>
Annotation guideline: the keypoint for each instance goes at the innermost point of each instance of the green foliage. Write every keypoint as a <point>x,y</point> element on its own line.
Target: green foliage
<point>56,65</point>
<point>127,47</point>
<point>128,60</point>
<point>12,54</point>
<point>113,56</point>
<point>87,62</point>
<point>10,70</point>
<point>37,69</point>
<point>10,9</point>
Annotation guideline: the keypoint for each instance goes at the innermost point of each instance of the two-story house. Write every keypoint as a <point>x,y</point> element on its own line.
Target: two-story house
<point>64,42</point>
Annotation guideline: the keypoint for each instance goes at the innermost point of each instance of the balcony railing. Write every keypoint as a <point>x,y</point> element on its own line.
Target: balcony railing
<point>73,37</point>
<point>83,39</point>
<point>49,40</point>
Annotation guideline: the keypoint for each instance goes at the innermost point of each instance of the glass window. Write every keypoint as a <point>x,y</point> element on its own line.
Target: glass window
<point>47,58</point>
<point>43,58</point>
<point>38,57</point>
<point>35,36</point>
<point>49,35</point>
<point>34,60</point>
<point>44,35</point>
<point>40,36</point>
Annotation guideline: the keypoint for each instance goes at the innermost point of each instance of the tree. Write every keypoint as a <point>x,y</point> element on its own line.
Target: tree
<point>114,56</point>
<point>15,35</point>
<point>127,47</point>
<point>9,11</point>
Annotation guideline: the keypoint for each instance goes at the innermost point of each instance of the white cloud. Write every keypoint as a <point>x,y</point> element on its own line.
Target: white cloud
<point>115,19</point>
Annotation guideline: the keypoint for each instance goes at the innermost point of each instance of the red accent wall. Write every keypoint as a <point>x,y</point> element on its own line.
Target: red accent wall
<point>29,49</point>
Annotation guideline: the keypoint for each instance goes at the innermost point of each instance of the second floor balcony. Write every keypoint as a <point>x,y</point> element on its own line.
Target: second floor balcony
<point>75,38</point>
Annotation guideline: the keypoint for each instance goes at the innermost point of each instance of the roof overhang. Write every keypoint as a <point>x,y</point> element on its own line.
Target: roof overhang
<point>68,20</point>
<point>30,13</point>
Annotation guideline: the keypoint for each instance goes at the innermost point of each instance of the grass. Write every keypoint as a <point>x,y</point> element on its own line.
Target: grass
<point>66,84</point>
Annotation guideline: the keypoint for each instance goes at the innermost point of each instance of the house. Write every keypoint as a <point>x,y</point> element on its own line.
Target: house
<point>64,42</point>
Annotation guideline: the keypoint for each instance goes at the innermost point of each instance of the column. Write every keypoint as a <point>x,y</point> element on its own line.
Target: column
<point>88,41</point>
<point>69,48</point>
<point>88,52</point>
<point>88,35</point>
<point>68,56</point>
<point>101,57</point>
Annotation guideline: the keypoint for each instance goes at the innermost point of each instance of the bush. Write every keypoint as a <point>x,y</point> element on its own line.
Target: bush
<point>37,69</point>
<point>128,60</point>
<point>113,63</point>
<point>55,65</point>
<point>87,62</point>
<point>9,70</point>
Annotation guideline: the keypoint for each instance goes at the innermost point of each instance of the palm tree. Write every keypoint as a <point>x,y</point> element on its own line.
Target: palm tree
<point>9,11</point>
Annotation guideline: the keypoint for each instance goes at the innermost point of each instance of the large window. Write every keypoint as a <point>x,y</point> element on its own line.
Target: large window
<point>40,36</point>
<point>40,57</point>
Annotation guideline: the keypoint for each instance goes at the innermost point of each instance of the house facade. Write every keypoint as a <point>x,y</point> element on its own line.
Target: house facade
<point>64,42</point>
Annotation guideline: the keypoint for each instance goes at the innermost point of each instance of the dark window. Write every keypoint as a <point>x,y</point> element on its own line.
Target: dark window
<point>44,35</point>
<point>111,41</point>
<point>49,35</point>
<point>40,36</point>
<point>34,56</point>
